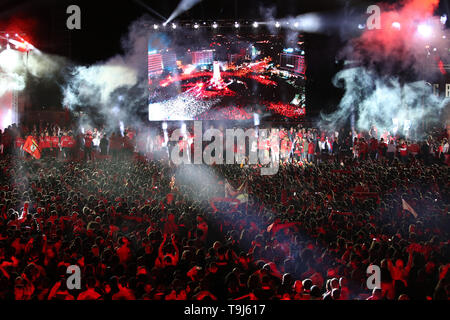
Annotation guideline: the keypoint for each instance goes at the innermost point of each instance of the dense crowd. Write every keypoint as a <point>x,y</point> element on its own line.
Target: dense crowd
<point>141,228</point>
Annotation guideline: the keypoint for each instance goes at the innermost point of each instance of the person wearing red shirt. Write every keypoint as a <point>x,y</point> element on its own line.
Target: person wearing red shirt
<point>285,148</point>
<point>71,144</point>
<point>373,148</point>
<point>413,149</point>
<point>55,144</point>
<point>42,145</point>
<point>48,143</point>
<point>67,143</point>
<point>282,134</point>
<point>114,145</point>
<point>127,146</point>
<point>298,149</point>
<point>19,144</point>
<point>403,150</point>
<point>363,149</point>
<point>311,147</point>
<point>382,148</point>
<point>88,146</point>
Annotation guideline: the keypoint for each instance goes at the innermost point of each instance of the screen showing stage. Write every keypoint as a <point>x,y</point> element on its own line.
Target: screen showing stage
<point>201,73</point>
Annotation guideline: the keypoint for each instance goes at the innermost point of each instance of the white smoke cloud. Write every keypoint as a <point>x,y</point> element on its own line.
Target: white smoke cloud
<point>378,100</point>
<point>42,65</point>
<point>95,84</point>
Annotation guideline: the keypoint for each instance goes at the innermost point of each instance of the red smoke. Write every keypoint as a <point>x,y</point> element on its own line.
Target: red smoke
<point>391,42</point>
<point>20,25</point>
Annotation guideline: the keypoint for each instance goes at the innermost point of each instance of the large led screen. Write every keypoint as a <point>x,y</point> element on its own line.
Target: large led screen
<point>206,73</point>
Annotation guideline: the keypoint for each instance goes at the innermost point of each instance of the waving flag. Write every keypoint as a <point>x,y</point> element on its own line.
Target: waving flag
<point>407,207</point>
<point>32,147</point>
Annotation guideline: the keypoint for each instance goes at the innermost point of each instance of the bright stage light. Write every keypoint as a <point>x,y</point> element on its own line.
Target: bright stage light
<point>215,25</point>
<point>396,25</point>
<point>256,121</point>
<point>183,128</point>
<point>296,24</point>
<point>122,128</point>
<point>277,24</point>
<point>255,24</point>
<point>196,26</point>
<point>407,125</point>
<point>361,26</point>
<point>174,26</point>
<point>236,25</point>
<point>425,30</point>
<point>395,125</point>
<point>164,125</point>
<point>155,26</point>
<point>9,59</point>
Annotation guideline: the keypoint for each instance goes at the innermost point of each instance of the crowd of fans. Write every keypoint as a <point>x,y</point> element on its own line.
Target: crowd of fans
<point>141,228</point>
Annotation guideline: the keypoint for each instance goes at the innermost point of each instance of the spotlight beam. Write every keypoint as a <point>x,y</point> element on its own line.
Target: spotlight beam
<point>150,9</point>
<point>182,7</point>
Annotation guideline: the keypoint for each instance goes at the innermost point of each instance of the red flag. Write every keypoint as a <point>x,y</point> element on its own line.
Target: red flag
<point>32,147</point>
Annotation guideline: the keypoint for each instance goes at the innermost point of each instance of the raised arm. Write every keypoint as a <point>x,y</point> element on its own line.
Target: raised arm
<point>177,251</point>
<point>410,260</point>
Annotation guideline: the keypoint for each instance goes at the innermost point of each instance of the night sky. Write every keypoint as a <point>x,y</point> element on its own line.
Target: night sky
<point>103,23</point>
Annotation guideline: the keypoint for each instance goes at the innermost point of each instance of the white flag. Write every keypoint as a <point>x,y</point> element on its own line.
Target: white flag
<point>407,207</point>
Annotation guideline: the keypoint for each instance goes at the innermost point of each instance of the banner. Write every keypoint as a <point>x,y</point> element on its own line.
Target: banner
<point>235,202</point>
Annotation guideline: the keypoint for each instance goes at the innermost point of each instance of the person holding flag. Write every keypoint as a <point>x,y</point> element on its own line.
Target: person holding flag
<point>32,147</point>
